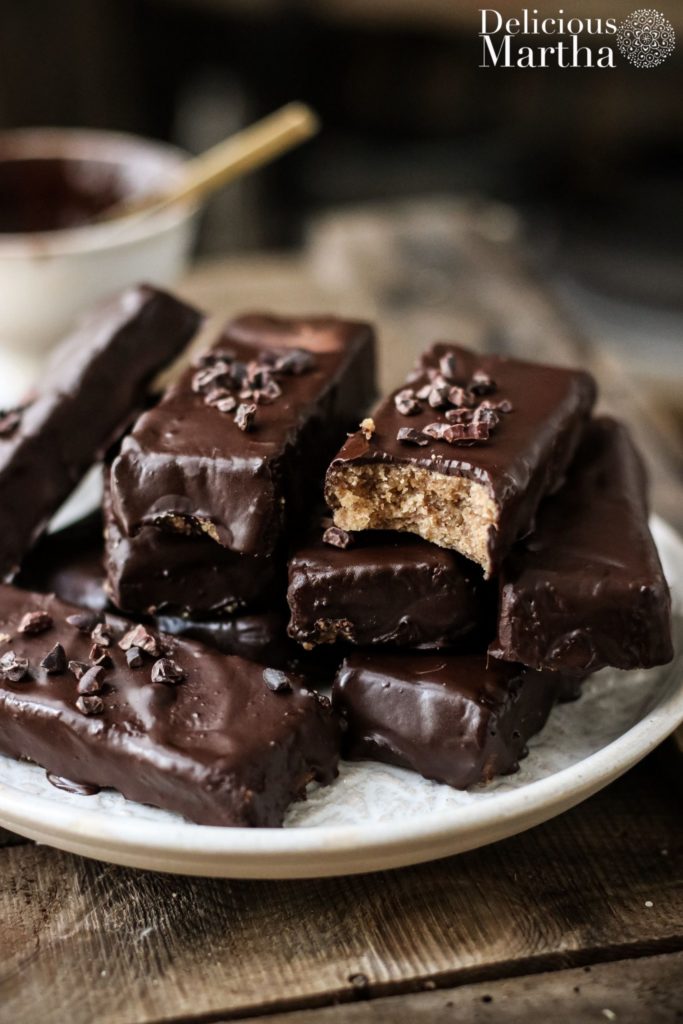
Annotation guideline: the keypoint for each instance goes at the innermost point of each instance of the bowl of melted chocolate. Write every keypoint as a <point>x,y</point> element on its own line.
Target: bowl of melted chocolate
<point>57,254</point>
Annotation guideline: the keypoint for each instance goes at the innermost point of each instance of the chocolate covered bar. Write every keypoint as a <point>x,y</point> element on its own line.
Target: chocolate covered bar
<point>167,722</point>
<point>382,588</point>
<point>236,448</point>
<point>449,717</point>
<point>160,571</point>
<point>586,589</point>
<point>94,383</point>
<point>464,453</point>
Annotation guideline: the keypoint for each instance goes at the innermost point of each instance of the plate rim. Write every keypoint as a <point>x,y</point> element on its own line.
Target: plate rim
<point>325,850</point>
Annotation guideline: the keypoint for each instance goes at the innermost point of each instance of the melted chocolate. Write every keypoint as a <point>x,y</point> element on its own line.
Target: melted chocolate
<point>587,588</point>
<point>52,194</point>
<point>384,588</point>
<point>94,383</point>
<point>524,458</point>
<point>213,742</point>
<point>449,717</point>
<point>190,466</point>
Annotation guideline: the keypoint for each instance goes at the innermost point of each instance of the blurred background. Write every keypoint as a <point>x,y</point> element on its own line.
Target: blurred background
<point>429,171</point>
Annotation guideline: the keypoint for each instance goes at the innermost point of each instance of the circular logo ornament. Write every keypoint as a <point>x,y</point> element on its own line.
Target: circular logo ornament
<point>646,38</point>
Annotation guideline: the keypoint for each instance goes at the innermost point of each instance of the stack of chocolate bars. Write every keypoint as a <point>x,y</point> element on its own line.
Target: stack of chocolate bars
<point>485,548</point>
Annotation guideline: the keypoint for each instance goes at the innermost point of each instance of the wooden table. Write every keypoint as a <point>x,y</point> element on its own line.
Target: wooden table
<point>580,919</point>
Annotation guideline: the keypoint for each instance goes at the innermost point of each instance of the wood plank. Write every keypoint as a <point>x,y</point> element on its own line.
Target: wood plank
<point>628,991</point>
<point>84,941</point>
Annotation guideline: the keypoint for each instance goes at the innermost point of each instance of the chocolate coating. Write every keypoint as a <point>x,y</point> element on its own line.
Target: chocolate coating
<point>386,588</point>
<point>189,464</point>
<point>69,564</point>
<point>218,746</point>
<point>161,572</point>
<point>587,588</point>
<point>42,194</point>
<point>526,455</point>
<point>447,716</point>
<point>94,383</point>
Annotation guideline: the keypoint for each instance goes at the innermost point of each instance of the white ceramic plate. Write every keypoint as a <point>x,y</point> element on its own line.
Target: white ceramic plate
<point>375,817</point>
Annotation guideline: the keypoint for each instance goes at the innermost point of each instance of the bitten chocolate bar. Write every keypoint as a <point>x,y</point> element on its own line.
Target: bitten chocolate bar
<point>167,722</point>
<point>94,383</point>
<point>464,453</point>
<point>236,448</point>
<point>383,588</point>
<point>449,717</point>
<point>587,588</point>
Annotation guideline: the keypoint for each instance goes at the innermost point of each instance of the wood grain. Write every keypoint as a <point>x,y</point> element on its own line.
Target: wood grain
<point>635,991</point>
<point>144,947</point>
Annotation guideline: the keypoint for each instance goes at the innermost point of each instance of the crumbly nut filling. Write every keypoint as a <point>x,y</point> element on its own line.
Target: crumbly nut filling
<point>188,525</point>
<point>450,511</point>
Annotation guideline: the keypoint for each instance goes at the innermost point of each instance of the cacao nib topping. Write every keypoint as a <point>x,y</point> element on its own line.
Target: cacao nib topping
<point>142,638</point>
<point>227,404</point>
<point>9,421</point>
<point>467,419</point>
<point>408,435</point>
<point>84,622</point>
<point>54,661</point>
<point>481,383</point>
<point>448,366</point>
<point>134,657</point>
<point>13,668</point>
<point>245,416</point>
<point>217,395</point>
<point>459,415</point>
<point>102,635</point>
<point>487,415</point>
<point>437,431</point>
<point>92,680</point>
<point>295,362</point>
<point>229,385</point>
<point>406,402</point>
<point>220,374</point>
<point>337,538</point>
<point>461,398</point>
<point>214,355</point>
<point>35,622</point>
<point>438,396</point>
<point>276,680</point>
<point>466,433</point>
<point>268,393</point>
<point>100,656</point>
<point>167,671</point>
<point>90,705</point>
<point>78,668</point>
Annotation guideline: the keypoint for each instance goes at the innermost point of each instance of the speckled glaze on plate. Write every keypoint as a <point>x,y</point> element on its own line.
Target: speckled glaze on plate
<point>374,816</point>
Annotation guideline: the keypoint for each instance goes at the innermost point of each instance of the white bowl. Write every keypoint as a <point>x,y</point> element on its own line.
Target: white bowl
<point>47,278</point>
